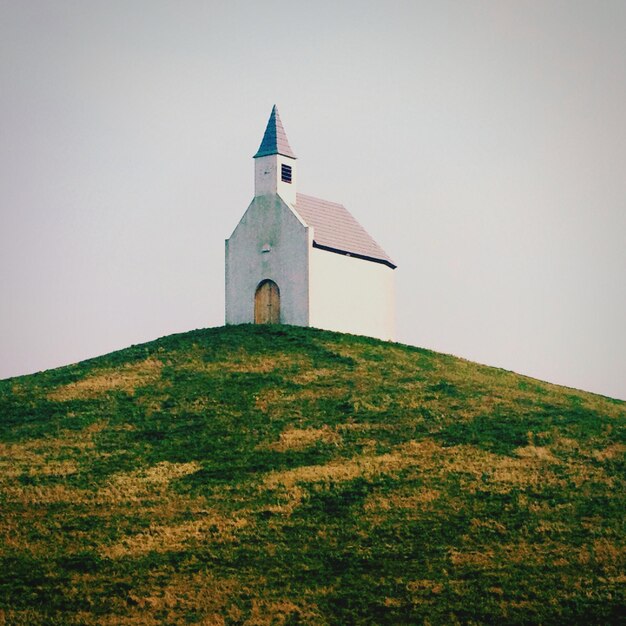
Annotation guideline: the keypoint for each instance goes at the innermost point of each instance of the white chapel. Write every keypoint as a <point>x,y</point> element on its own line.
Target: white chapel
<point>296,259</point>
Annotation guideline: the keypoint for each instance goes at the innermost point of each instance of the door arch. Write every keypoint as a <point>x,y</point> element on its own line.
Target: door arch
<point>267,303</point>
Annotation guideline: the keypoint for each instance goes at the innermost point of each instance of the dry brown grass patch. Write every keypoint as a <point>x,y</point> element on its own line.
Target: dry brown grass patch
<point>421,586</point>
<point>609,553</point>
<point>500,473</point>
<point>36,495</point>
<point>613,451</point>
<point>121,488</point>
<point>489,524</point>
<point>536,453</point>
<point>417,501</point>
<point>139,484</point>
<point>45,456</point>
<point>539,554</point>
<point>302,438</point>
<point>278,612</point>
<point>200,592</point>
<point>211,528</point>
<point>474,559</point>
<point>125,378</point>
<point>551,527</point>
<point>342,470</point>
<point>214,601</point>
<point>308,376</point>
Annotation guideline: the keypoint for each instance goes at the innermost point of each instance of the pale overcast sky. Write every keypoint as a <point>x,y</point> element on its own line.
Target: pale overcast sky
<point>482,144</point>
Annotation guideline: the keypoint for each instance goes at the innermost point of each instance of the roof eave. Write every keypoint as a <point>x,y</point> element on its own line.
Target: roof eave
<point>356,255</point>
<point>273,152</point>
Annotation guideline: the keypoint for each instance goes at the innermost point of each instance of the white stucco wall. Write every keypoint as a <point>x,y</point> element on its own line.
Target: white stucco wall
<point>351,295</point>
<point>270,225</point>
<point>267,177</point>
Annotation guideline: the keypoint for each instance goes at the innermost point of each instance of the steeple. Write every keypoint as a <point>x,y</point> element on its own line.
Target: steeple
<point>275,139</point>
<point>275,163</point>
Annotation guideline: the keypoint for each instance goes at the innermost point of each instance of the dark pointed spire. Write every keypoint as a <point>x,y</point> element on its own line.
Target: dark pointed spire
<point>274,139</point>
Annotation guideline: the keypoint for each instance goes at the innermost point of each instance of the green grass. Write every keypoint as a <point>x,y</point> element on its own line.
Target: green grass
<point>281,475</point>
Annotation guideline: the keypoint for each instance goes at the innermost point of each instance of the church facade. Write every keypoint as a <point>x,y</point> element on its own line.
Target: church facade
<point>296,259</point>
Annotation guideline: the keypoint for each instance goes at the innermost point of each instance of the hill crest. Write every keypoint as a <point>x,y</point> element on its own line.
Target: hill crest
<point>268,475</point>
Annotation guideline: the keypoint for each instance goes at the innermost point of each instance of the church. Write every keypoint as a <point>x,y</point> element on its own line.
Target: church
<point>296,259</point>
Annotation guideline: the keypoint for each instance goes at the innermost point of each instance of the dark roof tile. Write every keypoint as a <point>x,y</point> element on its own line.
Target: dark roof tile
<point>275,139</point>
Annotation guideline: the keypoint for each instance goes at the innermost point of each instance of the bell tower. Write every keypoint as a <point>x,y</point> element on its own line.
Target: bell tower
<point>275,163</point>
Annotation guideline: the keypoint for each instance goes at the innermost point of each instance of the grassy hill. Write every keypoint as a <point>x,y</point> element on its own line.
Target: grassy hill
<point>279,475</point>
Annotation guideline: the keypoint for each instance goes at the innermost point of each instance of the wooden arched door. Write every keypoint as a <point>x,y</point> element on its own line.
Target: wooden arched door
<point>267,303</point>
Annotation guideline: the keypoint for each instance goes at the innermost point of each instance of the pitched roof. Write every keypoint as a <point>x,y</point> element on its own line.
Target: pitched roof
<point>337,231</point>
<point>275,139</point>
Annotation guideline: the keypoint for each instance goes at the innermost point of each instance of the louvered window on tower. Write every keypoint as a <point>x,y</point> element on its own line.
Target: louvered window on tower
<point>285,173</point>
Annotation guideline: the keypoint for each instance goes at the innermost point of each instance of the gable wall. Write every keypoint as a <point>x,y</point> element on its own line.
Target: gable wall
<point>351,295</point>
<point>268,222</point>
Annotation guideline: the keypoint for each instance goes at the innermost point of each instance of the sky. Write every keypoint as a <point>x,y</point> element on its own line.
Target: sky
<point>481,143</point>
